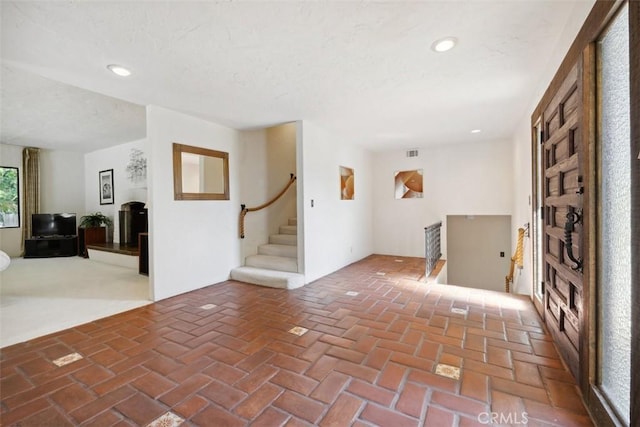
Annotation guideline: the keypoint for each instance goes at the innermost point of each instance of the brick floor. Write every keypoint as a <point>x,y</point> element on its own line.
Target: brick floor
<point>366,360</point>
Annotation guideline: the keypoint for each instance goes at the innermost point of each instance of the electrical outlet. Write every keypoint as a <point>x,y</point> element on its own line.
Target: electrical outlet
<point>501,254</point>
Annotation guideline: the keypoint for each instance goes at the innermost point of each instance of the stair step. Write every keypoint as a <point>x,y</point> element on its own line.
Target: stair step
<point>283,239</point>
<point>270,278</point>
<point>288,229</point>
<point>293,221</point>
<point>278,250</point>
<point>271,262</point>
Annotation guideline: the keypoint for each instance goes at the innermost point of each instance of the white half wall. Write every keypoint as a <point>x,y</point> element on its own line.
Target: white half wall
<point>192,243</point>
<point>116,158</point>
<point>461,179</point>
<point>336,232</point>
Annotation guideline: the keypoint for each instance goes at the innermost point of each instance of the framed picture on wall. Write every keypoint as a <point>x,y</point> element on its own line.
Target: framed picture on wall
<point>408,184</point>
<point>346,183</point>
<point>105,179</point>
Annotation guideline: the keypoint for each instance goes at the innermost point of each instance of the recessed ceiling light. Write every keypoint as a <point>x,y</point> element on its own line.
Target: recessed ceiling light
<point>119,70</point>
<point>476,131</point>
<point>444,44</point>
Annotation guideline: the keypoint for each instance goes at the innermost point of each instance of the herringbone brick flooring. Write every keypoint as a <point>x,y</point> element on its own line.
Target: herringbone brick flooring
<point>224,356</point>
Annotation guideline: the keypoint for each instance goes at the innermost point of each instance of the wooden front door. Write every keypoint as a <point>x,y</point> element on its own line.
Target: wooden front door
<point>562,210</point>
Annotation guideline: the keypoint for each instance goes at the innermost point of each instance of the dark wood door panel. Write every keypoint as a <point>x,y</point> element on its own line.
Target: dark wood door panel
<point>562,140</point>
<point>562,191</point>
<point>565,334</point>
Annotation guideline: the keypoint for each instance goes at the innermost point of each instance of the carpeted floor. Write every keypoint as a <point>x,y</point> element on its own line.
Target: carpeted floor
<point>45,295</point>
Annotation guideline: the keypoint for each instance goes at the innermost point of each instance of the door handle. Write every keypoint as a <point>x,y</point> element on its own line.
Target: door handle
<point>572,218</point>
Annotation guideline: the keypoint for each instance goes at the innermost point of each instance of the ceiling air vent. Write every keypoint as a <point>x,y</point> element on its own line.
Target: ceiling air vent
<point>412,153</point>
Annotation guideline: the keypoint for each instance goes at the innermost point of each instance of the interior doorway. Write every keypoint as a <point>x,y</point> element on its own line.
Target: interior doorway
<point>478,250</point>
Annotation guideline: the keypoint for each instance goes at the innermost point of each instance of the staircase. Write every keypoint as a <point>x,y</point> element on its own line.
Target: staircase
<point>276,264</point>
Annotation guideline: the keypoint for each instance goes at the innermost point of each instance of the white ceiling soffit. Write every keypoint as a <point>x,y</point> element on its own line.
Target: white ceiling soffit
<point>362,69</point>
<point>38,112</point>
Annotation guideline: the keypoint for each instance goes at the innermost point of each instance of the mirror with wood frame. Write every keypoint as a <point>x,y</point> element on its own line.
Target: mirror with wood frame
<point>200,173</point>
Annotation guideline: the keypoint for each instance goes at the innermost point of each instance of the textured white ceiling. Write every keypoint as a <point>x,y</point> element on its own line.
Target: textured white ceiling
<point>38,112</point>
<point>363,69</point>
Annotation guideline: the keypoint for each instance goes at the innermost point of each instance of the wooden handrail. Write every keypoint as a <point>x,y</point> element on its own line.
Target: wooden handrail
<point>244,210</point>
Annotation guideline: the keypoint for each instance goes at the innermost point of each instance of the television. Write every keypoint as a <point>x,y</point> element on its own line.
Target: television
<point>58,224</point>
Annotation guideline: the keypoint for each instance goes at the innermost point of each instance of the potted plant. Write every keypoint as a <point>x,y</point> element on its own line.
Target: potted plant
<point>92,230</point>
<point>95,220</point>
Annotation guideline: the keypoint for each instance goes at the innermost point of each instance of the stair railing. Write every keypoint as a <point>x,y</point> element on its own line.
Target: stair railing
<point>432,246</point>
<point>517,258</point>
<point>244,210</point>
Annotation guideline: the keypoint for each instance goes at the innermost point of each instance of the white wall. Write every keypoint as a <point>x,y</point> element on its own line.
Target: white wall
<point>69,183</point>
<point>281,161</point>
<point>460,179</point>
<point>336,232</point>
<point>268,157</point>
<point>522,185</point>
<point>474,244</point>
<point>253,189</point>
<point>61,188</point>
<point>62,182</point>
<point>192,243</point>
<point>11,238</point>
<point>116,158</point>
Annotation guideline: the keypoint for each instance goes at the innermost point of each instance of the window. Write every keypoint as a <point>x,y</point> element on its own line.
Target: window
<point>9,199</point>
<point>615,233</point>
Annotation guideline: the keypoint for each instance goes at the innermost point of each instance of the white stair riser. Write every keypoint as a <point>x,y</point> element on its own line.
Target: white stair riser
<point>122,260</point>
<point>279,250</point>
<point>276,264</point>
<point>283,239</point>
<point>270,278</point>
<point>288,229</point>
<point>272,263</point>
